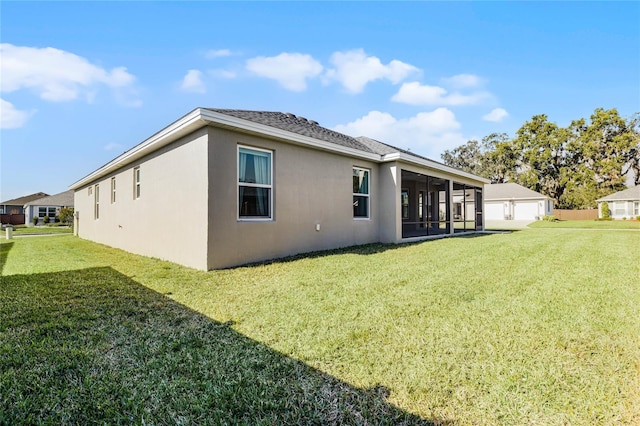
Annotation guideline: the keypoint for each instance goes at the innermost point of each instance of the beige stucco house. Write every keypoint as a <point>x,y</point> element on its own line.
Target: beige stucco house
<point>623,204</point>
<point>511,201</point>
<point>255,185</point>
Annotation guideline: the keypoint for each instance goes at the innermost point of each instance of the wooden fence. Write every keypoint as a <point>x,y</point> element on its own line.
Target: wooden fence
<point>14,219</point>
<point>587,214</point>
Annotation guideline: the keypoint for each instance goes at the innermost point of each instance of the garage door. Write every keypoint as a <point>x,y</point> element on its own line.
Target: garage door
<point>494,211</point>
<point>525,211</point>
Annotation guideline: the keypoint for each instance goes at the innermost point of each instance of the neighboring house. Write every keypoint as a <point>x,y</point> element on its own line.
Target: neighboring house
<point>510,201</point>
<point>48,206</point>
<point>220,188</point>
<point>624,204</point>
<point>12,211</point>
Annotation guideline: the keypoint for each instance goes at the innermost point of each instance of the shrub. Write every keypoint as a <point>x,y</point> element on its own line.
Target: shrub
<point>35,220</point>
<point>550,218</point>
<point>66,215</point>
<point>606,212</point>
<point>45,219</point>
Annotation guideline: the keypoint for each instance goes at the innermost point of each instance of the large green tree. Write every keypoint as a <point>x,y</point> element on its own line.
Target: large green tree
<point>574,165</point>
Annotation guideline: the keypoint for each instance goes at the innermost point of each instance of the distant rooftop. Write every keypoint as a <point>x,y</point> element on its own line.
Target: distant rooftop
<point>626,194</point>
<point>510,191</point>
<point>21,201</point>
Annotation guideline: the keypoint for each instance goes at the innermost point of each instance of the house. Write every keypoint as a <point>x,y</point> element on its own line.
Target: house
<point>48,206</point>
<point>219,188</point>
<point>510,201</point>
<point>12,211</point>
<point>624,204</point>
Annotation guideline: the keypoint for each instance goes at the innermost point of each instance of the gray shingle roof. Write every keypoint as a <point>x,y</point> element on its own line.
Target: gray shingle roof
<point>626,194</point>
<point>64,199</point>
<point>510,191</point>
<point>21,201</point>
<point>296,124</point>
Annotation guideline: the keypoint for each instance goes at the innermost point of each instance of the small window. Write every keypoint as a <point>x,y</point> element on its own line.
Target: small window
<point>136,182</point>
<point>636,208</point>
<point>360,193</point>
<point>404,201</point>
<point>90,190</point>
<point>255,189</point>
<point>96,203</point>
<point>113,190</point>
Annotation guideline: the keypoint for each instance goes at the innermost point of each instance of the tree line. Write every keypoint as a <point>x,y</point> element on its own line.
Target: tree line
<point>573,165</point>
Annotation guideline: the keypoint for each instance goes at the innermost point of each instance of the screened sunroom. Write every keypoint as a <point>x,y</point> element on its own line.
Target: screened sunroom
<point>435,206</point>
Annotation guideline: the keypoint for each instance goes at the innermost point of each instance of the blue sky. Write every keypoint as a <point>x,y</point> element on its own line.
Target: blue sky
<point>81,82</point>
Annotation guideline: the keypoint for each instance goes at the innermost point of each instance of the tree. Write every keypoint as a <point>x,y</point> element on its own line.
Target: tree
<point>606,212</point>
<point>541,158</point>
<point>467,157</point>
<point>492,158</point>
<point>66,215</point>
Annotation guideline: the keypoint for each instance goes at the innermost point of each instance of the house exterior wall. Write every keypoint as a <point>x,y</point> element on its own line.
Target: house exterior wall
<point>517,209</point>
<point>621,209</point>
<point>310,188</point>
<point>175,175</point>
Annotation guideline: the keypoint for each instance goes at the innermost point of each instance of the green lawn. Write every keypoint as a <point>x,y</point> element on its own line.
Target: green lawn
<point>587,224</point>
<point>532,327</point>
<point>40,230</point>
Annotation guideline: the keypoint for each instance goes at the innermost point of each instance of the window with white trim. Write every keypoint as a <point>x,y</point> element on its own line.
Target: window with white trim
<point>255,183</point>
<point>620,208</point>
<point>96,202</point>
<point>360,193</point>
<point>113,190</point>
<point>136,182</point>
<point>636,208</point>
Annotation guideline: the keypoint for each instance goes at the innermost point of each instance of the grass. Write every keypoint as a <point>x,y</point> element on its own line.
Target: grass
<point>532,327</point>
<point>40,230</point>
<point>587,224</point>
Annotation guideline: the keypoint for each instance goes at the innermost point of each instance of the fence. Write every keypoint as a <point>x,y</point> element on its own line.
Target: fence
<point>587,214</point>
<point>14,219</point>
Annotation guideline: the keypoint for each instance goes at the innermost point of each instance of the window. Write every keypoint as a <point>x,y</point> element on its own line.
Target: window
<point>136,182</point>
<point>113,190</point>
<point>96,203</point>
<point>636,208</point>
<point>620,208</point>
<point>360,193</point>
<point>255,190</point>
<point>404,199</point>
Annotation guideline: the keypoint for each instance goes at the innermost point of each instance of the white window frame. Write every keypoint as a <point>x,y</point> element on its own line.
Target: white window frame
<point>96,202</point>
<point>636,208</point>
<point>137,185</point>
<point>270,217</point>
<point>113,190</point>
<point>620,208</point>
<point>358,194</point>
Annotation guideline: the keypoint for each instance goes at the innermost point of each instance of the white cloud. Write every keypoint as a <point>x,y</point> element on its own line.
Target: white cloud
<point>56,75</point>
<point>427,133</point>
<point>290,70</point>
<point>496,115</point>
<point>112,146</point>
<point>222,74</point>
<point>414,93</point>
<point>354,69</point>
<point>462,81</point>
<point>10,117</point>
<point>192,82</point>
<point>211,54</point>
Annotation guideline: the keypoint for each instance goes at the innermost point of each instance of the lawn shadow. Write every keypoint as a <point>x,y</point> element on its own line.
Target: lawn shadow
<point>362,250</point>
<point>94,346</point>
<point>5,248</point>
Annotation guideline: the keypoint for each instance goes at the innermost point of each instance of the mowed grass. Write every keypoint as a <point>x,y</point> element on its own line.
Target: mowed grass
<point>587,224</point>
<point>532,327</point>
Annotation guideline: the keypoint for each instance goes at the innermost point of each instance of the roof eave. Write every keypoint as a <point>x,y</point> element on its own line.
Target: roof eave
<point>201,117</point>
<point>407,158</point>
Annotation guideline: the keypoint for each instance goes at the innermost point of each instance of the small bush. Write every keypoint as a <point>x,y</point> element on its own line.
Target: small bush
<point>35,221</point>
<point>624,218</point>
<point>637,217</point>
<point>550,218</point>
<point>603,219</point>
<point>606,212</point>
<point>45,219</point>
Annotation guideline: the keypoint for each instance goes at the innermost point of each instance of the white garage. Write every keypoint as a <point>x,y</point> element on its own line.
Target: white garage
<point>510,201</point>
